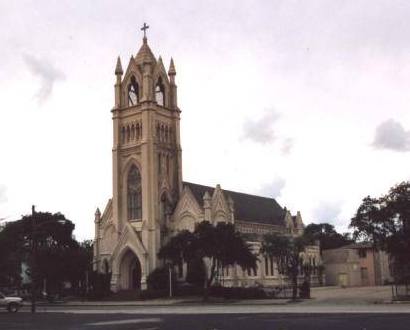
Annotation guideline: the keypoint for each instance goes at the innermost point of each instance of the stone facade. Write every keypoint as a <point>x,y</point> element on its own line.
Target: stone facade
<point>150,201</point>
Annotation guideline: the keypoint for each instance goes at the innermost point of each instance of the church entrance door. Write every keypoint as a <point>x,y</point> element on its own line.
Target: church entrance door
<point>130,272</point>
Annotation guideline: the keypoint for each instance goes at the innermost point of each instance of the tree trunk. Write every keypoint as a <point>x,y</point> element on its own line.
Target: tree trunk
<point>206,292</point>
<point>208,282</point>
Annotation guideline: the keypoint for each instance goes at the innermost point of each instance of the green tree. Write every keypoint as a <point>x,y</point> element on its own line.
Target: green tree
<point>286,251</point>
<point>44,241</point>
<point>327,236</point>
<point>214,246</point>
<point>385,222</point>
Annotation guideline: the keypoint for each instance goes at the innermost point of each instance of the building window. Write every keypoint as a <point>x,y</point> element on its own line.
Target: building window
<point>180,270</point>
<point>226,271</point>
<point>362,253</point>
<point>266,266</point>
<point>269,269</point>
<point>252,272</point>
<point>123,135</point>
<point>160,92</point>
<point>162,210</point>
<point>106,267</point>
<point>133,95</point>
<point>364,274</point>
<point>159,164</point>
<point>134,194</point>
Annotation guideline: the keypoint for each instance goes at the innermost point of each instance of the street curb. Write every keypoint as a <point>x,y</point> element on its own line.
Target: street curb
<point>181,304</point>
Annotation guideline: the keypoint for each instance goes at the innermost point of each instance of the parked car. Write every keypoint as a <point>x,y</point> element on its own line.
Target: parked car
<point>12,304</point>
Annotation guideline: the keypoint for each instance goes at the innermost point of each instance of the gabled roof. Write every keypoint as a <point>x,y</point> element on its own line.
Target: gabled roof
<point>249,208</point>
<point>359,245</point>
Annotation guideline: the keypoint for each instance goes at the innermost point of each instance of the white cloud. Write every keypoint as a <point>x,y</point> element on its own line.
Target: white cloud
<point>3,195</point>
<point>261,130</point>
<point>47,74</point>
<point>328,212</point>
<point>391,135</point>
<point>274,188</point>
<point>287,146</point>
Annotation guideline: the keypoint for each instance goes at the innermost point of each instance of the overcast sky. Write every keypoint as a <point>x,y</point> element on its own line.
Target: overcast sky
<point>303,101</point>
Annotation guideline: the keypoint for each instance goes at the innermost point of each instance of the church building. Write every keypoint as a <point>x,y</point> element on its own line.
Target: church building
<point>150,201</point>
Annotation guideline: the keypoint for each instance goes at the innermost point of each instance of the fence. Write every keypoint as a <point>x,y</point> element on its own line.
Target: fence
<point>401,291</point>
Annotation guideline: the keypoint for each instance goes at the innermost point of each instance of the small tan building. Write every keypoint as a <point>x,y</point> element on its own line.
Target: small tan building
<point>358,264</point>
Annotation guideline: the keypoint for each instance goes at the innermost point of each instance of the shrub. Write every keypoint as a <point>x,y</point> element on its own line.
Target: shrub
<point>158,279</point>
<point>99,285</point>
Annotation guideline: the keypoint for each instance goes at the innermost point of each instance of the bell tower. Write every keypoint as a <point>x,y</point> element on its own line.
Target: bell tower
<point>146,154</point>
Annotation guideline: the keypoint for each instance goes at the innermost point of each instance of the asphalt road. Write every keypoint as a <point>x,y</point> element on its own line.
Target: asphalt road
<point>69,321</point>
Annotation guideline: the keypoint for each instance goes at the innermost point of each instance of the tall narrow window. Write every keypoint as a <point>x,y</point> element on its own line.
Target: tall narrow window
<point>123,135</point>
<point>134,195</point>
<point>133,96</point>
<point>159,164</point>
<point>266,266</point>
<point>271,266</point>
<point>160,92</point>
<point>162,210</point>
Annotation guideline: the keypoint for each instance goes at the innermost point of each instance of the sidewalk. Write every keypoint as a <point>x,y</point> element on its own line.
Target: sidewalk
<point>185,301</point>
<point>324,297</point>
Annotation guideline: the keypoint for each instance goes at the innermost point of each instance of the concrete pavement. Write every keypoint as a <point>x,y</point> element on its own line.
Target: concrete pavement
<point>325,300</point>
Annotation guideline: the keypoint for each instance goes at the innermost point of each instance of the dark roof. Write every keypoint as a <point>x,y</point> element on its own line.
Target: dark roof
<point>359,245</point>
<point>247,207</point>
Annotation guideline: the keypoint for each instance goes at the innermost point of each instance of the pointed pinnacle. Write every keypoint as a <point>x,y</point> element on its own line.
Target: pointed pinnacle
<point>171,70</point>
<point>118,67</point>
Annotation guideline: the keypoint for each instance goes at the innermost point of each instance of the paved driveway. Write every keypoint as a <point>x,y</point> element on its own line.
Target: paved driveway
<point>350,296</point>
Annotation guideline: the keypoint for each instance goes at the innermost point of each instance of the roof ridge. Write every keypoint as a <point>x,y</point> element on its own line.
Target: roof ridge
<point>231,191</point>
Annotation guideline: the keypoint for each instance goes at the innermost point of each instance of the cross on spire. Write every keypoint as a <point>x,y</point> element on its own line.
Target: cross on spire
<point>144,28</point>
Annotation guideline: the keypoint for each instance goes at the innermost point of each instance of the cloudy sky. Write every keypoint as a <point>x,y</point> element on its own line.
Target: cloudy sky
<point>304,101</point>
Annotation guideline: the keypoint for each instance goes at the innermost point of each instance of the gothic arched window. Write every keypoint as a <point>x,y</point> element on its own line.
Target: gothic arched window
<point>162,210</point>
<point>133,96</point>
<point>134,195</point>
<point>162,216</point>
<point>123,134</point>
<point>160,92</point>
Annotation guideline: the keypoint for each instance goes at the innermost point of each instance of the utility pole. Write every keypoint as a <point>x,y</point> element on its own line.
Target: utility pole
<point>170,280</point>
<point>33,260</point>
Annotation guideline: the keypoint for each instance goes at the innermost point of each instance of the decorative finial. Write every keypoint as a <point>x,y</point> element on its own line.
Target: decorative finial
<point>118,67</point>
<point>171,70</point>
<point>144,28</point>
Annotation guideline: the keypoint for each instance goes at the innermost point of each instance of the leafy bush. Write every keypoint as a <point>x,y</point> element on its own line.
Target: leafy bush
<point>196,272</point>
<point>100,285</point>
<point>158,279</point>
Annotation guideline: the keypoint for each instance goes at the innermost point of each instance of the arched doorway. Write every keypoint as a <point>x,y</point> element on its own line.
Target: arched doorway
<point>130,272</point>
